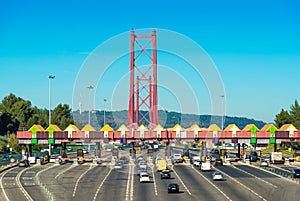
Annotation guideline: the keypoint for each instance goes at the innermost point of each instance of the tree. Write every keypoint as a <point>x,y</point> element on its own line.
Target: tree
<point>13,142</point>
<point>295,114</point>
<point>283,118</point>
<point>61,116</point>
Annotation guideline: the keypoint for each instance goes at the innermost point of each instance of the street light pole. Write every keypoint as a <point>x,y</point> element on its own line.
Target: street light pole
<point>90,87</point>
<point>51,77</point>
<point>104,111</point>
<point>222,111</point>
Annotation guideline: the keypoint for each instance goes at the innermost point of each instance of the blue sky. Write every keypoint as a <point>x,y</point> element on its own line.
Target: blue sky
<point>255,46</point>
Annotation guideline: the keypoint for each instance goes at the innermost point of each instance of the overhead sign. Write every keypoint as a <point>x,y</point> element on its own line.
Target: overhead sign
<point>33,141</point>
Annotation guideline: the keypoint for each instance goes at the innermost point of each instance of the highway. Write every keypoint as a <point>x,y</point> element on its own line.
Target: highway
<point>93,182</point>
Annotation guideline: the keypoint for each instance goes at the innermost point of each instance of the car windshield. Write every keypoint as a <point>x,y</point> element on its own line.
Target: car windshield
<point>218,173</point>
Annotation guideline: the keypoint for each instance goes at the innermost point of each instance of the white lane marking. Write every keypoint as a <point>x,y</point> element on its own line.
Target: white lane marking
<point>39,183</point>
<point>255,176</point>
<point>252,191</point>
<point>20,185</point>
<point>132,178</point>
<point>182,183</point>
<point>1,185</point>
<point>154,182</point>
<point>96,194</point>
<point>128,183</point>
<point>226,196</point>
<point>76,185</point>
<point>72,166</point>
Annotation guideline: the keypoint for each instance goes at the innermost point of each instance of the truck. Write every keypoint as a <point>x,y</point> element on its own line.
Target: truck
<point>161,165</point>
<point>276,157</point>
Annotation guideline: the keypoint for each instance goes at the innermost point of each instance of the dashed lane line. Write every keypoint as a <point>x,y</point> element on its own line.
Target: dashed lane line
<point>1,185</point>
<point>76,185</point>
<point>132,178</point>
<point>226,196</point>
<point>182,182</point>
<point>128,183</point>
<point>154,182</point>
<point>255,177</point>
<point>20,185</point>
<point>96,194</point>
<point>72,166</point>
<point>252,191</point>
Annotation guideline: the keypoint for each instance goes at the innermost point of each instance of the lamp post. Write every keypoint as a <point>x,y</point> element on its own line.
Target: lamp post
<point>222,111</point>
<point>104,111</point>
<point>51,77</point>
<point>90,87</point>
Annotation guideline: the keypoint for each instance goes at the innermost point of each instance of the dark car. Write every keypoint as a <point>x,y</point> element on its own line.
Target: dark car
<point>173,188</point>
<point>295,172</point>
<point>23,163</point>
<point>165,174</point>
<point>218,162</point>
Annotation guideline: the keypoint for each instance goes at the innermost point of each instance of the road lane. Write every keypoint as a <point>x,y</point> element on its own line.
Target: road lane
<point>257,187</point>
<point>62,187</point>
<point>200,188</point>
<point>285,190</point>
<point>10,187</point>
<point>89,183</point>
<point>28,181</point>
<point>114,187</point>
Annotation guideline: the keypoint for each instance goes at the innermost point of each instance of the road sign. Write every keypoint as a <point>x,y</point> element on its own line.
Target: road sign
<point>253,140</point>
<point>272,140</point>
<point>33,141</point>
<point>51,141</point>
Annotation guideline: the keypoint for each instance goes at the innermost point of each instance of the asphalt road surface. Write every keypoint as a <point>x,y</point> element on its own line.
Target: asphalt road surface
<point>91,182</point>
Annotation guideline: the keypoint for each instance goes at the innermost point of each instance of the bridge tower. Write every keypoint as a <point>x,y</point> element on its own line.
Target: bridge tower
<point>143,79</point>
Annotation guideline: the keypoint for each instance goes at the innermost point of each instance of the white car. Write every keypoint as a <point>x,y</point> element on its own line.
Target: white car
<point>197,162</point>
<point>32,159</point>
<point>52,159</point>
<point>263,163</point>
<point>205,166</point>
<point>143,165</point>
<point>218,176</point>
<point>144,177</point>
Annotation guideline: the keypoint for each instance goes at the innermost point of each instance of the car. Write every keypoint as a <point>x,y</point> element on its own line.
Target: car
<point>143,165</point>
<point>144,177</point>
<point>52,159</point>
<point>165,174</point>
<point>295,172</point>
<point>218,162</point>
<point>264,163</point>
<point>85,151</point>
<point>197,162</point>
<point>217,176</point>
<point>32,159</point>
<point>23,163</point>
<point>177,158</point>
<point>205,166</point>
<point>140,170</point>
<point>69,149</point>
<point>173,188</point>
<point>118,165</point>
<point>290,159</point>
